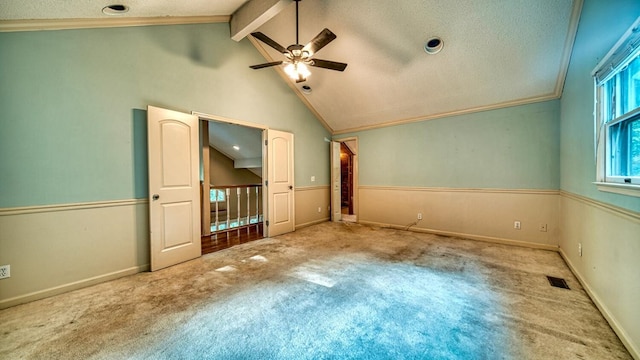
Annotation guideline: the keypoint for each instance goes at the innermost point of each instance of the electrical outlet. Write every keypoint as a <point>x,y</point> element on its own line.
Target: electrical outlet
<point>580,249</point>
<point>419,216</point>
<point>516,225</point>
<point>319,209</point>
<point>5,271</point>
<point>543,227</point>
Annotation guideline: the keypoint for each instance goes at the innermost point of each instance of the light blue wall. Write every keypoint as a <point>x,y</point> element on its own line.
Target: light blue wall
<point>72,106</point>
<point>510,148</point>
<point>602,23</point>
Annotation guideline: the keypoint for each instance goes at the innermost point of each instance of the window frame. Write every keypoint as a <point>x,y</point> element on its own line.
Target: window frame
<point>612,64</point>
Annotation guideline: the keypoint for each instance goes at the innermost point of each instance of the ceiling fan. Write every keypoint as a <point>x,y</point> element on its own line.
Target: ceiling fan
<point>299,56</point>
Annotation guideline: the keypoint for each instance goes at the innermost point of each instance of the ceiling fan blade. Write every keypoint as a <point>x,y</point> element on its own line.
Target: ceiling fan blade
<point>326,64</point>
<point>320,41</point>
<point>300,79</point>
<point>262,66</point>
<point>267,40</point>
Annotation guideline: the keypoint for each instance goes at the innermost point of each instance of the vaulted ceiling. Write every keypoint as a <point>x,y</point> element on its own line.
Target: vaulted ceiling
<point>496,53</point>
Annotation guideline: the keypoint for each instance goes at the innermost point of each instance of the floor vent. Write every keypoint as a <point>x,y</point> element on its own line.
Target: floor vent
<point>558,282</point>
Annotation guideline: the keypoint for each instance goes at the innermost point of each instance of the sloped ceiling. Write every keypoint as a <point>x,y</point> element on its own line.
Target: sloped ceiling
<point>224,136</point>
<point>496,53</point>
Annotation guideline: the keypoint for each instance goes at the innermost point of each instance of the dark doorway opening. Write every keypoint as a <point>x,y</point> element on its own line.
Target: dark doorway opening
<point>346,179</point>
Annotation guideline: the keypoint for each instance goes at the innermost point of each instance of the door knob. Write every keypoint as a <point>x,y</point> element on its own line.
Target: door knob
<point>290,187</point>
<point>156,196</point>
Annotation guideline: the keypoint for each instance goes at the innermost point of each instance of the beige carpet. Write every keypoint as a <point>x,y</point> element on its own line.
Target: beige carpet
<point>327,291</point>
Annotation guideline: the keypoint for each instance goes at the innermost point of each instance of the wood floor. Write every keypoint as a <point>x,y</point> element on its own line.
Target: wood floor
<point>227,239</point>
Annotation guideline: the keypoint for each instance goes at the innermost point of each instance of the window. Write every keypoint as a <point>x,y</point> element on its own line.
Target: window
<point>617,115</point>
<point>216,195</point>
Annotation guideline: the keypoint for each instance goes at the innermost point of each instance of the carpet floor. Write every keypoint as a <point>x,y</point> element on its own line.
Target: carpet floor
<point>329,291</point>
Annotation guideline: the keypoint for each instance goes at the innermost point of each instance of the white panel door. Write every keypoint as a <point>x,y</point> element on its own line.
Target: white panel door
<point>280,194</point>
<point>336,203</point>
<point>174,192</point>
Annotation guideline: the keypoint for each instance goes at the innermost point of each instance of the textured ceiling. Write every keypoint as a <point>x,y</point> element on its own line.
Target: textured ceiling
<point>496,52</point>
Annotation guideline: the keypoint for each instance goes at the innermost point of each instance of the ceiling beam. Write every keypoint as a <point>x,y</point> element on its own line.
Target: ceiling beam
<point>253,14</point>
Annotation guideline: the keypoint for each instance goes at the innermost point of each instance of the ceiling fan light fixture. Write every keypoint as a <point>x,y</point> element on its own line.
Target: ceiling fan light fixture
<point>297,56</point>
<point>433,45</point>
<point>297,71</point>
<point>116,9</point>
<point>303,70</point>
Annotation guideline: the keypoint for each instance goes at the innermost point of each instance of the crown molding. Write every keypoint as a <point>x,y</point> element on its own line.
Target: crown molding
<point>568,46</point>
<point>111,22</point>
<point>415,119</point>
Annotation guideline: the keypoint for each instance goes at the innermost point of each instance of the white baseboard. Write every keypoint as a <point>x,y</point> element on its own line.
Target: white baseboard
<point>635,353</point>
<point>490,239</point>
<point>71,286</point>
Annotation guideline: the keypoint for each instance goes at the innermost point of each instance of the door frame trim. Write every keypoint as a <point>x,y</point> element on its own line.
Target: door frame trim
<point>356,176</point>
<point>210,117</point>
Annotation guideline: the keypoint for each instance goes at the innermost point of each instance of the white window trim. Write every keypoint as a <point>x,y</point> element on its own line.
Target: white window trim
<point>613,184</point>
<point>618,188</point>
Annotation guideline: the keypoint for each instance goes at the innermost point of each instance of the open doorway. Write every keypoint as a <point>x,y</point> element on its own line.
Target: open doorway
<point>231,180</point>
<point>179,146</point>
<point>346,181</point>
<point>258,200</point>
